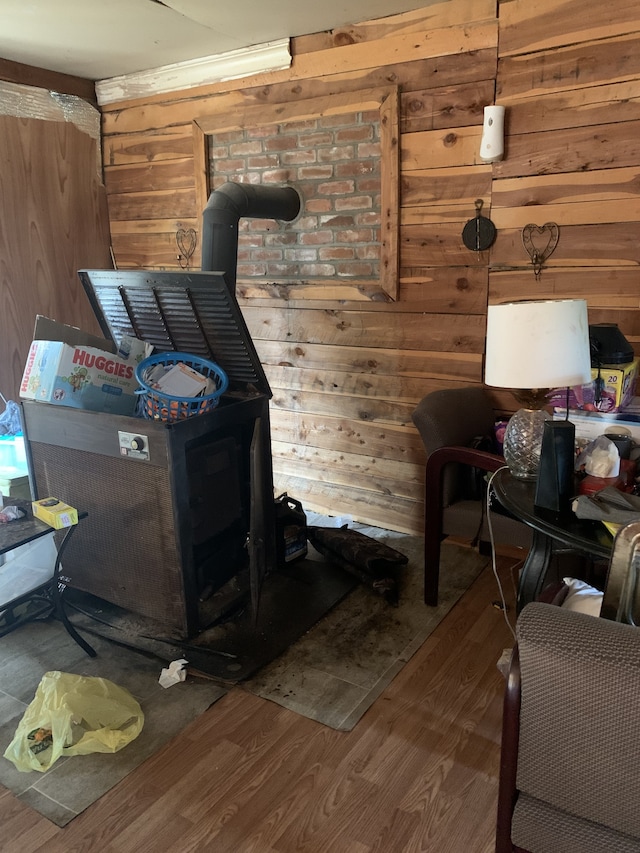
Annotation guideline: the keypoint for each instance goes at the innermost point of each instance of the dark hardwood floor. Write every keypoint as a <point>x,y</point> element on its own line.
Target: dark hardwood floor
<point>418,772</point>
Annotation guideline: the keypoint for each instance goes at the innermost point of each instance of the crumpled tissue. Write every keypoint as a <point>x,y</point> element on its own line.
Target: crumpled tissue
<point>600,458</point>
<point>175,673</point>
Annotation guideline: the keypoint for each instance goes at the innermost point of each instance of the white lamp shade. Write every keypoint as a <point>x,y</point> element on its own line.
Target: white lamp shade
<point>538,344</point>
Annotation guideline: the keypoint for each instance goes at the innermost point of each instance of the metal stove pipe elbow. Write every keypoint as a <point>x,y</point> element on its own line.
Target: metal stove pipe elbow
<point>224,210</point>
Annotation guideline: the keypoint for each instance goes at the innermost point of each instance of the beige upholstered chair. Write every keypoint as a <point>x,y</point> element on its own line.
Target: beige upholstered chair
<point>569,771</point>
<point>449,421</point>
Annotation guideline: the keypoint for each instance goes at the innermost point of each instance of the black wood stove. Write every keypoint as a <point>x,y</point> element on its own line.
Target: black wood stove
<point>190,507</point>
<point>181,531</point>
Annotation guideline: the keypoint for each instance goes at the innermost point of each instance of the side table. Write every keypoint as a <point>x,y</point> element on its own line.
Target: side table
<point>551,534</point>
<point>29,591</point>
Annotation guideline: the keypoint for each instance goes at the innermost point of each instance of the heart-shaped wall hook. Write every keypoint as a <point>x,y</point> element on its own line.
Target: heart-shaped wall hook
<point>186,240</point>
<point>540,242</point>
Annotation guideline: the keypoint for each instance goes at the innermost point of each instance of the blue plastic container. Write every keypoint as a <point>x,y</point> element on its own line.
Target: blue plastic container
<point>159,406</point>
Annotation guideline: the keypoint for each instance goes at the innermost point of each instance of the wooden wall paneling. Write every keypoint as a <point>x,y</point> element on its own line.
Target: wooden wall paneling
<point>369,329</point>
<point>338,384</point>
<point>144,249</point>
<point>572,92</point>
<point>384,510</point>
<point>605,146</point>
<point>150,118</point>
<point>456,105</point>
<point>390,363</point>
<point>158,204</point>
<point>440,290</point>
<point>525,27</point>
<point>346,374</point>
<point>54,221</point>
<point>389,441</point>
<point>369,472</point>
<point>513,197</point>
<point>429,188</point>
<point>600,104</point>
<point>176,173</point>
<point>588,246</point>
<point>167,143</point>
<point>437,15</point>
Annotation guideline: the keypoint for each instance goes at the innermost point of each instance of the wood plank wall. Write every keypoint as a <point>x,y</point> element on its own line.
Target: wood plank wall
<point>346,374</point>
<point>53,221</point>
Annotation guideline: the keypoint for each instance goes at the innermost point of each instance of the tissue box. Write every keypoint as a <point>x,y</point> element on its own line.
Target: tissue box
<point>618,390</point>
<point>55,513</point>
<point>68,367</point>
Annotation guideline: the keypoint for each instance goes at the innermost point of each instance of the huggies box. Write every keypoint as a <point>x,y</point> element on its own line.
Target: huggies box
<point>68,367</point>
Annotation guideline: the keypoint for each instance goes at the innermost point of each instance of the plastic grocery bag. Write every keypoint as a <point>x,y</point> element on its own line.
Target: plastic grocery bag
<point>73,715</point>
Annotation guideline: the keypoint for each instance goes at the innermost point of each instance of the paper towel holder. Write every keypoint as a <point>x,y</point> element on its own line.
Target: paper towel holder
<point>492,142</point>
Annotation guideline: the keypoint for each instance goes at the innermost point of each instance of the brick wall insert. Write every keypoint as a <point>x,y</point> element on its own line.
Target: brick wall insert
<point>341,154</point>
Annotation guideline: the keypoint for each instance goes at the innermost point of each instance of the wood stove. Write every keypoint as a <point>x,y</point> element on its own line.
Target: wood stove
<point>181,515</point>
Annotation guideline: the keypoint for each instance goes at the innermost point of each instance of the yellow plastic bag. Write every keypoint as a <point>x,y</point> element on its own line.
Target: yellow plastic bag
<point>73,715</point>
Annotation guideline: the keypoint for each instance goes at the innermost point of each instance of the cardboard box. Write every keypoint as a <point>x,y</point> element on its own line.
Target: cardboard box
<point>68,367</point>
<point>55,513</point>
<point>590,425</point>
<point>619,387</point>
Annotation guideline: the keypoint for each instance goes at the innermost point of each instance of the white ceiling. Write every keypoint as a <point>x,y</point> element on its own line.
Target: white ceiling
<point>99,39</point>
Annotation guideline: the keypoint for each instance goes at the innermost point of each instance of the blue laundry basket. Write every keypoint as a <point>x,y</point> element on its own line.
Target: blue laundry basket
<point>156,405</point>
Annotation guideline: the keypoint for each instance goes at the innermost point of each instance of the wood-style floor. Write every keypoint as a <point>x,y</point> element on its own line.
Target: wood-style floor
<point>418,773</point>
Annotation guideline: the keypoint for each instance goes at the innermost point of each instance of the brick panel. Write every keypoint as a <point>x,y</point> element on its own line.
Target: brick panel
<point>334,163</point>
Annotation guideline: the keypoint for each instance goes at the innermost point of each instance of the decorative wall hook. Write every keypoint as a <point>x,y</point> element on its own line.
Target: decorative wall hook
<point>186,238</point>
<point>540,242</point>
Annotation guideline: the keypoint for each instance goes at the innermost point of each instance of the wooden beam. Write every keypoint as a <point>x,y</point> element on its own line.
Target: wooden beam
<point>65,84</point>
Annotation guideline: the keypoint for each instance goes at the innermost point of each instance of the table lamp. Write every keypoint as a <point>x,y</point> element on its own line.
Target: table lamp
<point>533,347</point>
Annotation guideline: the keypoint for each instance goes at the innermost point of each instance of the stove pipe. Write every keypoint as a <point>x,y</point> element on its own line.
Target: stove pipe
<point>223,211</point>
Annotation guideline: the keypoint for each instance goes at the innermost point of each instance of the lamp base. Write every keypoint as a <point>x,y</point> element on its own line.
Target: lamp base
<point>523,441</point>
<point>555,487</point>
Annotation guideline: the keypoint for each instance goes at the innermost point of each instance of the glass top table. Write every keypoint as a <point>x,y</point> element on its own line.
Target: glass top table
<point>552,533</point>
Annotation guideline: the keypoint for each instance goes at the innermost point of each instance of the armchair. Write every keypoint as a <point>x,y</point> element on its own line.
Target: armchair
<point>569,772</point>
<point>448,421</point>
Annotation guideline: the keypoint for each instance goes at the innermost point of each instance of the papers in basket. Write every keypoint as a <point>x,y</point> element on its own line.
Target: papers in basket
<point>180,381</point>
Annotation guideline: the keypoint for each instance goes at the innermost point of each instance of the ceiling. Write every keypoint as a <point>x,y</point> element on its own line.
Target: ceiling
<point>99,39</point>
